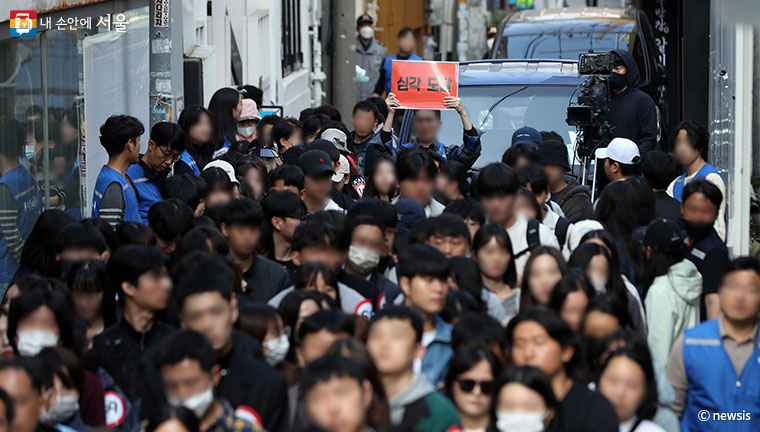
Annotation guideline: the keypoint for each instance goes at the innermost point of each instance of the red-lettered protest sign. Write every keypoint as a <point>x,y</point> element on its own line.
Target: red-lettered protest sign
<point>424,84</point>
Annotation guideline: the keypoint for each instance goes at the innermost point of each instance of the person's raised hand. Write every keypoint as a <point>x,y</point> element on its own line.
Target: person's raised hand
<point>392,102</point>
<point>453,103</point>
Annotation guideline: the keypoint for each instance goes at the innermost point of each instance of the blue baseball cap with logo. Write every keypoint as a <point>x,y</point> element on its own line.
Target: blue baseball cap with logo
<point>527,135</point>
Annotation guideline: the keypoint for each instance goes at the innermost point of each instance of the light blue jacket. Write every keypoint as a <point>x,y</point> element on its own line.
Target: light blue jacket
<point>438,353</point>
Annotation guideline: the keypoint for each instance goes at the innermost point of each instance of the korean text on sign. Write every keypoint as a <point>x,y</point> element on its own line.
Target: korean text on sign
<point>424,84</point>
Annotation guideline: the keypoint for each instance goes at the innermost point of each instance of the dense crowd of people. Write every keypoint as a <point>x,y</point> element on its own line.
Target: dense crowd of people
<point>244,272</point>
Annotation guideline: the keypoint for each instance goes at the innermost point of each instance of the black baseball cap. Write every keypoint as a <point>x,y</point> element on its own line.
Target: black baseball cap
<point>315,163</point>
<point>364,19</point>
<point>664,235</point>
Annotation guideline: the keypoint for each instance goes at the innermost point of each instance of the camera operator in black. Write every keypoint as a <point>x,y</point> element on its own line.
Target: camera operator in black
<point>632,113</point>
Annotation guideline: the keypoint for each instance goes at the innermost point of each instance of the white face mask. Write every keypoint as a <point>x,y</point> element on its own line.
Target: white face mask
<point>366,32</point>
<point>199,403</point>
<point>600,286</point>
<point>246,131</point>
<point>277,349</point>
<point>31,342</point>
<point>65,407</point>
<point>519,421</point>
<point>362,260</point>
<point>489,43</point>
<point>29,152</point>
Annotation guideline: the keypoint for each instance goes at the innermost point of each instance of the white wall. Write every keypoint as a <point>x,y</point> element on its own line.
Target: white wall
<point>256,26</point>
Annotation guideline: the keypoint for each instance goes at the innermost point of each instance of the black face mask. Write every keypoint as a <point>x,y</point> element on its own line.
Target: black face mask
<point>695,230</point>
<point>617,81</point>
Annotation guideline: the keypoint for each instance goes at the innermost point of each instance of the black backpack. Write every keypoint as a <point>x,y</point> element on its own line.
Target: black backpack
<point>563,224</point>
<point>532,236</point>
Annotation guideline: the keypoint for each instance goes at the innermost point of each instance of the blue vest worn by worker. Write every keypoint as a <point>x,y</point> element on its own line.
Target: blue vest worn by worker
<point>702,173</point>
<point>186,158</point>
<point>148,192</point>
<point>8,264</point>
<point>105,178</point>
<point>23,187</point>
<point>714,388</point>
<point>389,70</point>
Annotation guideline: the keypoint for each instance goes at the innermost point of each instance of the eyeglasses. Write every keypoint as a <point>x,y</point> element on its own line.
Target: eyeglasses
<point>168,154</point>
<point>468,386</point>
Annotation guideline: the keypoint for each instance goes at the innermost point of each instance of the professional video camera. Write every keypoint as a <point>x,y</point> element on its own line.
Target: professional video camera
<point>588,112</point>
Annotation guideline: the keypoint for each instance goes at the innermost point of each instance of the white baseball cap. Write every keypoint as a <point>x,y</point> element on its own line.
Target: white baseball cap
<point>337,137</point>
<point>343,169</point>
<point>621,150</point>
<point>224,165</point>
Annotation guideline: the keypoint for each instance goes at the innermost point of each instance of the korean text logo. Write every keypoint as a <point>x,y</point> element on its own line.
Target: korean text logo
<point>23,23</point>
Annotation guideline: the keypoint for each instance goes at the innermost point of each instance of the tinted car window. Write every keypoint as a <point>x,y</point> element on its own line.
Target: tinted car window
<point>543,107</point>
<point>567,39</point>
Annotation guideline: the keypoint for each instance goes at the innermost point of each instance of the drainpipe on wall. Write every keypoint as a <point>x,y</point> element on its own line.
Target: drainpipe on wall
<point>317,74</point>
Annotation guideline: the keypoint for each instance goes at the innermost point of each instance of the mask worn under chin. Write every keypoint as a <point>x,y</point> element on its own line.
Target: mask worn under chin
<point>31,342</point>
<point>246,131</point>
<point>362,260</point>
<point>489,43</point>
<point>519,421</point>
<point>366,32</point>
<point>199,403</point>
<point>277,349</point>
<point>696,230</point>
<point>600,286</point>
<point>65,407</point>
<point>617,81</point>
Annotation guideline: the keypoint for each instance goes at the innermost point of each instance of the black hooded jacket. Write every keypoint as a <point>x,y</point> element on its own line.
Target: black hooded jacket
<point>632,113</point>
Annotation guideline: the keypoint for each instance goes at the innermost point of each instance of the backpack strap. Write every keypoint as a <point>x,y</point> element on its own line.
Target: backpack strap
<point>532,235</point>
<point>561,230</point>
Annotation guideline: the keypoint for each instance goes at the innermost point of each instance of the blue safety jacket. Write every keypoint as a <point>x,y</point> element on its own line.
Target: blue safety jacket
<point>190,161</point>
<point>702,173</point>
<point>23,187</point>
<point>146,182</point>
<point>715,390</point>
<point>105,178</point>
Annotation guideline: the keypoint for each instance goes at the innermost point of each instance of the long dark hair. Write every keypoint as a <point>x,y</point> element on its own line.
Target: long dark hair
<point>624,206</point>
<point>221,105</point>
<point>484,236</point>
<point>581,258</point>
<point>53,294</point>
<point>308,274</point>
<point>573,281</point>
<point>527,299</point>
<point>378,415</point>
<point>37,254</point>
<point>536,380</point>
<point>90,277</point>
<point>255,319</point>
<point>639,353</point>
<point>467,275</point>
<point>370,191</point>
<point>201,152</point>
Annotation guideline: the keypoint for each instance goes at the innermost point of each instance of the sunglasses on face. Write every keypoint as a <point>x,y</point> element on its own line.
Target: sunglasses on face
<point>468,386</point>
